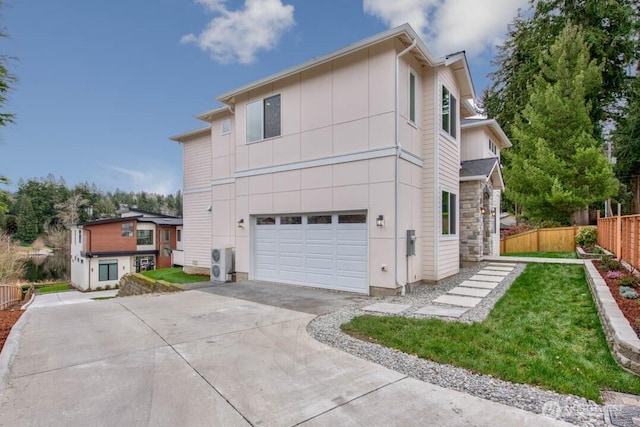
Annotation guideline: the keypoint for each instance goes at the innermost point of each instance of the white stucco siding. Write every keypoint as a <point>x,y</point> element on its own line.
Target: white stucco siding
<point>223,216</point>
<point>197,162</point>
<point>223,148</point>
<point>197,229</point>
<point>122,264</point>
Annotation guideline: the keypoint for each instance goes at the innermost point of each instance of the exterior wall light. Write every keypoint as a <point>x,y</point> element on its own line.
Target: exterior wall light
<point>493,212</point>
<point>380,221</point>
<point>482,210</point>
<point>241,223</point>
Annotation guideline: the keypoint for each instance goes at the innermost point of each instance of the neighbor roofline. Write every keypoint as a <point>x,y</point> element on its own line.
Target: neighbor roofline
<point>492,123</point>
<point>190,134</point>
<point>207,115</point>
<point>405,29</point>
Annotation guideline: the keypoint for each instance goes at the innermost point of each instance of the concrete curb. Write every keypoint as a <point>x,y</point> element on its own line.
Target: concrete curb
<point>11,347</point>
<point>27,304</point>
<point>622,339</point>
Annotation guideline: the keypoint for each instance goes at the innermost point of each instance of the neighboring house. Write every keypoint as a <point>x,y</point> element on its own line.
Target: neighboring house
<point>104,250</point>
<point>343,172</point>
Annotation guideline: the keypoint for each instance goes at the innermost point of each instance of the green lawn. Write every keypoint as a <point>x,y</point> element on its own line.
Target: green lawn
<point>54,288</point>
<point>174,275</point>
<point>544,331</point>
<point>571,255</point>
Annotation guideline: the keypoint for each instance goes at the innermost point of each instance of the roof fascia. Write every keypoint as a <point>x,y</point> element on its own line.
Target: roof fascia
<point>405,29</point>
<point>190,134</point>
<point>494,125</point>
<point>454,58</point>
<point>208,115</point>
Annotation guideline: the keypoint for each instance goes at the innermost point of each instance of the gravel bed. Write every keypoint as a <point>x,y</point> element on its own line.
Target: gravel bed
<point>569,408</point>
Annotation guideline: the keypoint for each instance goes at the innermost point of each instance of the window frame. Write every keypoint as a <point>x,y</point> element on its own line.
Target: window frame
<point>262,103</point>
<point>127,232</point>
<point>412,110</point>
<point>111,266</point>
<point>452,216</point>
<point>138,232</point>
<point>225,123</point>
<point>178,235</point>
<point>450,125</point>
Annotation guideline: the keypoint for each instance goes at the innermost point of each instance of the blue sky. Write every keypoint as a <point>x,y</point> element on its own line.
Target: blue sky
<point>103,85</point>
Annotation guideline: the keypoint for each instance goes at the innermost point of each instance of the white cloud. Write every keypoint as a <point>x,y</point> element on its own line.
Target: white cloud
<point>160,179</point>
<point>237,35</point>
<point>448,26</point>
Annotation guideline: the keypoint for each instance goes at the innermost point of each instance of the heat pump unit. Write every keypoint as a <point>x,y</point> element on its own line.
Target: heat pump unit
<point>221,264</point>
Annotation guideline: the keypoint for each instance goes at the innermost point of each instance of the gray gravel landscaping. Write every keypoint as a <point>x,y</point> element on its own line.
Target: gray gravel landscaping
<point>572,409</point>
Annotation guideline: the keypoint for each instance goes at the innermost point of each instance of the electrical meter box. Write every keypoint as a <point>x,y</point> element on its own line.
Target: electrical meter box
<point>411,242</point>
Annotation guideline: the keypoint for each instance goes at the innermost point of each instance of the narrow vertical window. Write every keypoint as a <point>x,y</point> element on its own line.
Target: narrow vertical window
<point>448,213</point>
<point>412,97</point>
<point>225,127</point>
<point>449,112</point>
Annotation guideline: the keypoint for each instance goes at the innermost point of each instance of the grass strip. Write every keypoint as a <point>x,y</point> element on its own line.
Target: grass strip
<point>545,331</point>
<point>174,275</point>
<point>54,288</point>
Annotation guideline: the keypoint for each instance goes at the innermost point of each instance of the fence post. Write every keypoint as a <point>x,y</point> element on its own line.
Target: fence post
<point>618,236</point>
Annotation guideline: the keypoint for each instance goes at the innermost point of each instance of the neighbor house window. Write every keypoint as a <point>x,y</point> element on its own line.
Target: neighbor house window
<point>449,112</point>
<point>145,237</point>
<point>79,236</point>
<point>167,235</point>
<point>108,270</point>
<point>225,127</point>
<point>127,229</point>
<point>179,235</point>
<point>263,119</point>
<point>412,97</point>
<point>448,213</point>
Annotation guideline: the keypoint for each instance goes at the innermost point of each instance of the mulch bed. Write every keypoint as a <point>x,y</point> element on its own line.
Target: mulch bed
<point>8,318</point>
<point>629,307</point>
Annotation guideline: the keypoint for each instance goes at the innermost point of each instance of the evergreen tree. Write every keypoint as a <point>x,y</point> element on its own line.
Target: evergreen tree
<point>27,227</point>
<point>557,168</point>
<point>626,142</point>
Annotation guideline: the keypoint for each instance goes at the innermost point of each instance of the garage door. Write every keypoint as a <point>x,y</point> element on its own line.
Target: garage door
<point>327,250</point>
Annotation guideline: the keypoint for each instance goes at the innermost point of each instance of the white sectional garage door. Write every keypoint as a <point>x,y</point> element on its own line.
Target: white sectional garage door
<point>321,250</point>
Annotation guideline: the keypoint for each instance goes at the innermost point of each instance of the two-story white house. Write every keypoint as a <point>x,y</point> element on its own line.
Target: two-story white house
<point>343,172</point>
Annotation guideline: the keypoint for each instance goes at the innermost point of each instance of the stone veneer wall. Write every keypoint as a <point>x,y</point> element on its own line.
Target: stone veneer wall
<point>137,284</point>
<point>623,341</point>
<point>471,221</point>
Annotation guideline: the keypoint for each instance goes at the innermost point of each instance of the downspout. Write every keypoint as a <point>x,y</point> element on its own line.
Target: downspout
<point>397,172</point>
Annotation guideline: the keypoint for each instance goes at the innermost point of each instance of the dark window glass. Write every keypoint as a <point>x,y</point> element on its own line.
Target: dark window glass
<point>179,235</point>
<point>454,116</point>
<point>127,229</point>
<point>352,219</point>
<point>272,116</point>
<point>412,97</point>
<point>445,109</point>
<point>319,219</point>
<point>290,220</point>
<point>108,270</point>
<point>449,112</point>
<point>145,237</point>
<point>265,220</point>
<point>448,213</point>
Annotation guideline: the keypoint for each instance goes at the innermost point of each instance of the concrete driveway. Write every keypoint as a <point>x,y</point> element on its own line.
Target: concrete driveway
<point>201,359</point>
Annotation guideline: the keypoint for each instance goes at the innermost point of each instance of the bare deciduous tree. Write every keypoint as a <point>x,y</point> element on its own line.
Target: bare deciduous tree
<point>12,260</point>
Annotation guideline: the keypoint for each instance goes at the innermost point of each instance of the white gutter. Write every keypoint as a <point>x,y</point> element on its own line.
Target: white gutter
<point>398,153</point>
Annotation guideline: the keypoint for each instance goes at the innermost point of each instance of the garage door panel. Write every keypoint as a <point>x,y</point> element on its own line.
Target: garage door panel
<point>327,255</point>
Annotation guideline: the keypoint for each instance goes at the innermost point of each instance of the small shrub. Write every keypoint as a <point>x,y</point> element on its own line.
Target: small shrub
<point>614,274</point>
<point>609,263</point>
<point>628,292</point>
<point>587,236</point>
<point>107,287</point>
<point>99,288</point>
<point>596,250</point>
<point>116,287</point>
<point>631,282</point>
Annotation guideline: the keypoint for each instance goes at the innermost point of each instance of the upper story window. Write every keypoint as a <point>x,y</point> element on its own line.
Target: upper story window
<point>449,207</point>
<point>263,119</point>
<point>493,148</point>
<point>127,229</point>
<point>412,97</point>
<point>79,236</point>
<point>145,237</point>
<point>225,127</point>
<point>179,235</point>
<point>449,112</point>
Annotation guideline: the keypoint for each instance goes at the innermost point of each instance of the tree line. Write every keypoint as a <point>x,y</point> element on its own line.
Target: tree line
<point>565,91</point>
<point>40,206</point>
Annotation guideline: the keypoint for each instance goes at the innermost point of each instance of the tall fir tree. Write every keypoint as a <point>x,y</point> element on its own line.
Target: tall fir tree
<point>557,168</point>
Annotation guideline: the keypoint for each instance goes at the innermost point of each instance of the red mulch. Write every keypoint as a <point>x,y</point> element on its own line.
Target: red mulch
<point>629,307</point>
<point>8,318</point>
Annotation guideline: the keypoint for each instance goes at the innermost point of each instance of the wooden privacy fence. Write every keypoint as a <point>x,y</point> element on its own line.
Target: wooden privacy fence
<point>621,235</point>
<point>9,294</point>
<point>561,239</point>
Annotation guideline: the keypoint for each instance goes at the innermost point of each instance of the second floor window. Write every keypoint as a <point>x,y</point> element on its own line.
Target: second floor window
<point>263,119</point>
<point>412,97</point>
<point>449,112</point>
<point>493,148</point>
<point>127,229</point>
<point>145,237</point>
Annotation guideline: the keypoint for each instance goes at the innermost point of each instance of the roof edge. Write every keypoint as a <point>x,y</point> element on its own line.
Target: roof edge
<point>189,134</point>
